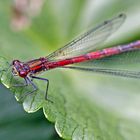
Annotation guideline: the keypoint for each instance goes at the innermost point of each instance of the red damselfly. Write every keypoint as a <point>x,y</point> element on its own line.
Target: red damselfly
<point>78,51</point>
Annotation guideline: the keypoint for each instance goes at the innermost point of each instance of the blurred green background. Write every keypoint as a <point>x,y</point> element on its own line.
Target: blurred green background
<point>58,22</point>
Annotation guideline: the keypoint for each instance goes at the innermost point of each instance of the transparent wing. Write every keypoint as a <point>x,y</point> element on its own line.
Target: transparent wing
<point>88,41</point>
<point>126,64</point>
<point>122,73</point>
<point>127,60</point>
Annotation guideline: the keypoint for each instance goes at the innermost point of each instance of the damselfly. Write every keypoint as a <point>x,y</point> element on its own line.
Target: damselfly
<point>78,51</point>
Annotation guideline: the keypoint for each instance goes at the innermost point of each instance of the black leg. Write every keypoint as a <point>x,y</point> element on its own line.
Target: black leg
<point>47,87</point>
<point>33,85</point>
<point>27,82</point>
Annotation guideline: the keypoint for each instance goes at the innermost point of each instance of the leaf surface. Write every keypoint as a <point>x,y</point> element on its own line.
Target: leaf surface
<point>85,106</point>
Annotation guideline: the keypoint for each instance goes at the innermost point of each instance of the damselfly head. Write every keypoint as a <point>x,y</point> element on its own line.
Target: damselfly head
<point>20,69</point>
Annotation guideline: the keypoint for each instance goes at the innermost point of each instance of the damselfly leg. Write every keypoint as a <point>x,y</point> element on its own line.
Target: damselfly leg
<point>47,87</point>
<point>29,81</point>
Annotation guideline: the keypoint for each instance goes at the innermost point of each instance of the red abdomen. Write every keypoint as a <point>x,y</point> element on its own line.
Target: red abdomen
<point>82,58</point>
<point>94,55</point>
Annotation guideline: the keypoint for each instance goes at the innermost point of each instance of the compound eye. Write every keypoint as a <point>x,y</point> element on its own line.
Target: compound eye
<point>15,61</point>
<point>23,74</point>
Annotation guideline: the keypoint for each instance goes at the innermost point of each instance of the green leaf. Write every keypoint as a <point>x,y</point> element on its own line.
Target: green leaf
<point>85,106</point>
<point>16,124</point>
